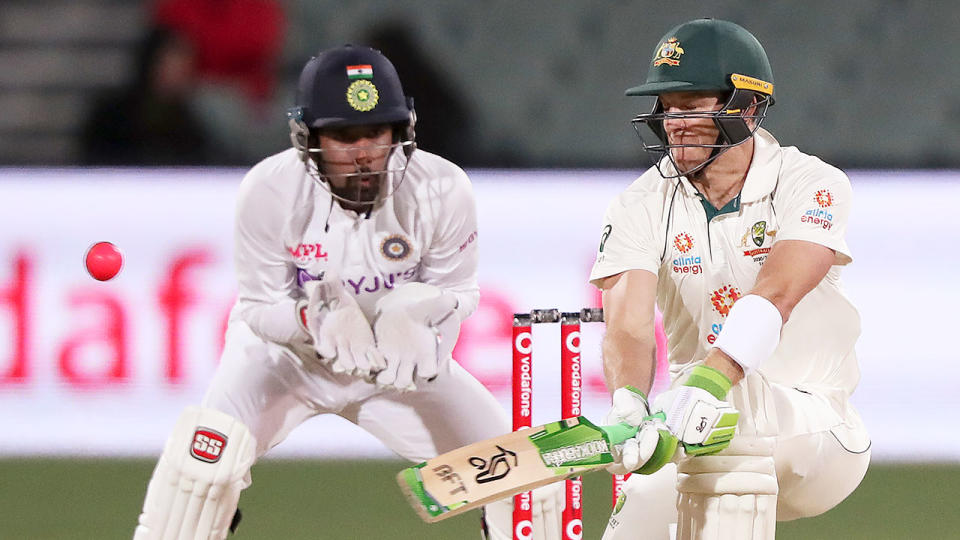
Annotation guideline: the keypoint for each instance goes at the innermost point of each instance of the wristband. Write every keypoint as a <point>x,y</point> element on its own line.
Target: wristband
<point>711,380</point>
<point>751,332</point>
<point>301,308</point>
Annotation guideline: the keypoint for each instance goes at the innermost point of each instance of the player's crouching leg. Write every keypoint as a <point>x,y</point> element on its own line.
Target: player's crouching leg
<point>731,495</point>
<point>548,502</point>
<point>646,508</point>
<point>197,481</point>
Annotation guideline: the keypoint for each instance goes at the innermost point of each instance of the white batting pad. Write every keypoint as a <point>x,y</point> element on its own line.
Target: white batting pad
<point>731,495</point>
<point>197,482</point>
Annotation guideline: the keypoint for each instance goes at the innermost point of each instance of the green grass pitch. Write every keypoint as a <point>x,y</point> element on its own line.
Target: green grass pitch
<point>99,499</point>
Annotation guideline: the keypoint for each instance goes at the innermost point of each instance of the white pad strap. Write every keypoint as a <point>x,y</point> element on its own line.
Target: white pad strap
<point>731,495</point>
<point>197,481</point>
<point>751,332</point>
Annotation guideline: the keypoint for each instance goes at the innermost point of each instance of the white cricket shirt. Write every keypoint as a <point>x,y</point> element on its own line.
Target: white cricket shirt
<point>289,229</point>
<point>705,262</point>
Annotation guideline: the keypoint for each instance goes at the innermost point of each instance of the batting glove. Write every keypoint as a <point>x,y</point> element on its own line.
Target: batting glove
<point>697,414</point>
<point>652,447</point>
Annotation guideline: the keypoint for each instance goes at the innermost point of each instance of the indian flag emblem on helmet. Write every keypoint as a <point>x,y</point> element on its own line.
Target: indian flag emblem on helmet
<point>668,53</point>
<point>362,95</point>
<point>360,71</point>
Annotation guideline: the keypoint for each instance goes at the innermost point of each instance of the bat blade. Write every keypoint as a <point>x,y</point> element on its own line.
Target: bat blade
<point>486,471</point>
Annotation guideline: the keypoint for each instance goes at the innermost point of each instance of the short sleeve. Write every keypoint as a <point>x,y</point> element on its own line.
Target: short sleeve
<point>627,239</point>
<point>817,210</point>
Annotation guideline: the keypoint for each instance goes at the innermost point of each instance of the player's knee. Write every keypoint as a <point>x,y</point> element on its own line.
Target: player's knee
<point>198,478</point>
<point>729,495</point>
<point>816,473</point>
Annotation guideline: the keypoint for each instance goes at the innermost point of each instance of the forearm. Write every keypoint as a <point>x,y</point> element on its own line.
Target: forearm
<point>629,360</point>
<point>722,362</point>
<point>276,322</point>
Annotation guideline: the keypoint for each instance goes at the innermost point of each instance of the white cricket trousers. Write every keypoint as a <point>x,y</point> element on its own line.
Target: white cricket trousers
<point>821,454</point>
<point>272,391</point>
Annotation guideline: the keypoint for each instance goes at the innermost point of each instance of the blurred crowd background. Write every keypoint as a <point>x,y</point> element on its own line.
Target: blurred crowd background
<point>497,83</point>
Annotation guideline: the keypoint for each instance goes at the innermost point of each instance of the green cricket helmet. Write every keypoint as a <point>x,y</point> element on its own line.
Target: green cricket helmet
<point>706,55</point>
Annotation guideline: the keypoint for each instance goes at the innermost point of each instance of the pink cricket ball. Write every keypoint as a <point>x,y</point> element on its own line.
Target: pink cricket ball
<point>103,261</point>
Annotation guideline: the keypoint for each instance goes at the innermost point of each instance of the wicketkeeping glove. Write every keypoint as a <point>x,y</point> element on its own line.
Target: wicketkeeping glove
<point>341,334</point>
<point>416,329</point>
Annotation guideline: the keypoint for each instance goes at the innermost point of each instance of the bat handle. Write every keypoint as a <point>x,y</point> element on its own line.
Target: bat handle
<point>618,433</point>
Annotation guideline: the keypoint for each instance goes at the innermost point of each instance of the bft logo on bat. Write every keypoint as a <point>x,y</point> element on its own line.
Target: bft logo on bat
<point>496,468</point>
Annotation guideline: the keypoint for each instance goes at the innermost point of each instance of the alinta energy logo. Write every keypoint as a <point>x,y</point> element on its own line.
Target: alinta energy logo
<point>723,299</point>
<point>686,265</point>
<point>819,216</point>
<point>683,242</point>
<point>824,198</point>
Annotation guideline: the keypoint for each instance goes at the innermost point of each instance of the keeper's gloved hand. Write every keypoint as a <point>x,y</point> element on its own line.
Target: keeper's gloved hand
<point>341,334</point>
<point>652,447</point>
<point>416,329</point>
<point>696,412</point>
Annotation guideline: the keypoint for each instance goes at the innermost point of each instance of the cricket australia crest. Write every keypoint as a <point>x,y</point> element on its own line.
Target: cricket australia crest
<point>669,53</point>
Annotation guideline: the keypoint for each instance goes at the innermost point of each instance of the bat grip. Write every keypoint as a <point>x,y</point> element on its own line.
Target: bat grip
<point>618,433</point>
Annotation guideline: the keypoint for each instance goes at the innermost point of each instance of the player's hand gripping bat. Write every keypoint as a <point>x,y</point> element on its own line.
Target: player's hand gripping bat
<point>480,473</point>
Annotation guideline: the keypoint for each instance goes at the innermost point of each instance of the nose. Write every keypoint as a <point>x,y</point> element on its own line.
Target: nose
<point>363,151</point>
<point>673,123</point>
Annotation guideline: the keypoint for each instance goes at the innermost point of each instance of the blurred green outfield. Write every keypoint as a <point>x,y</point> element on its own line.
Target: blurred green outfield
<point>100,499</point>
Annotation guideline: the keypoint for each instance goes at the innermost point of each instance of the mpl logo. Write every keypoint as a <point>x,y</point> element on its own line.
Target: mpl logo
<point>208,445</point>
<point>305,253</point>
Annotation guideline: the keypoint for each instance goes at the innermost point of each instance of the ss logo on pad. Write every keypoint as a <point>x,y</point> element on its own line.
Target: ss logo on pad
<point>208,445</point>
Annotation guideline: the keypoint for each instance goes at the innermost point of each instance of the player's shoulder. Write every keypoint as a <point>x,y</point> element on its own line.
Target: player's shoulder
<point>801,172</point>
<point>427,166</point>
<point>274,172</point>
<point>429,175</point>
<point>649,189</point>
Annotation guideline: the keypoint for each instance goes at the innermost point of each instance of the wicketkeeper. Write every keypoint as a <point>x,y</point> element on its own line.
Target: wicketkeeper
<point>740,243</point>
<point>356,257</point>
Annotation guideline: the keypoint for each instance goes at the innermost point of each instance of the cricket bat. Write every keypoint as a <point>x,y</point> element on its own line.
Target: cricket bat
<point>483,472</point>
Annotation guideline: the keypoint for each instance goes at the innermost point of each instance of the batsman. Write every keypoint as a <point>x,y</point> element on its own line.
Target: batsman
<point>740,243</point>
<point>356,259</point>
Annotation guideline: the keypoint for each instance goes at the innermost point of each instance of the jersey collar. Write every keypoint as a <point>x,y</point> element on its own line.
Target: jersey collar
<point>764,169</point>
<point>761,177</point>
